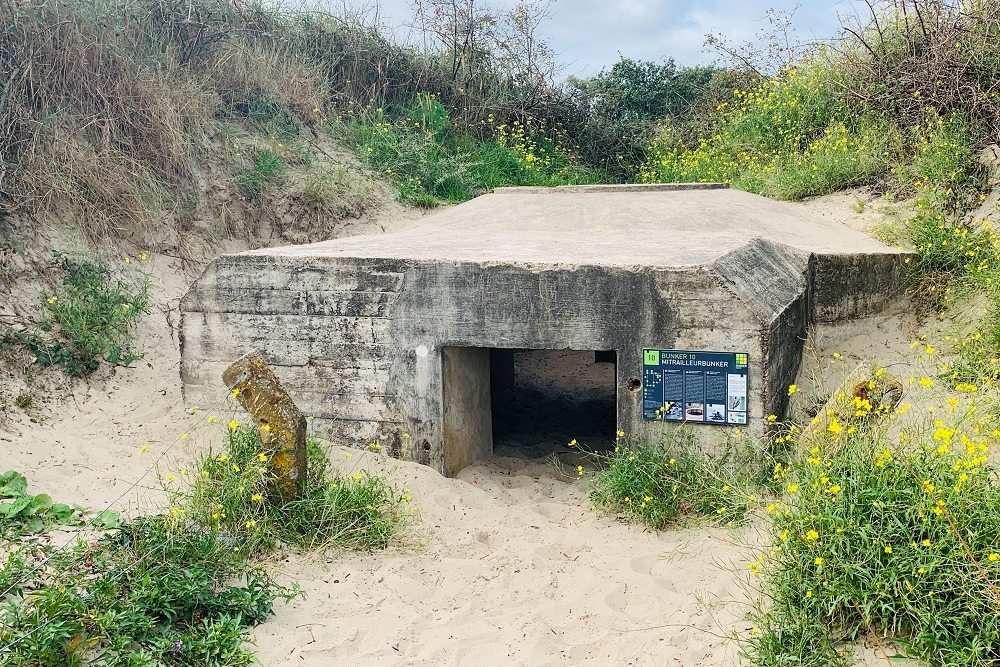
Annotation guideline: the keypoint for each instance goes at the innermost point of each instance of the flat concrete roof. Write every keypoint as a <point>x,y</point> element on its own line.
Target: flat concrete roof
<point>659,226</point>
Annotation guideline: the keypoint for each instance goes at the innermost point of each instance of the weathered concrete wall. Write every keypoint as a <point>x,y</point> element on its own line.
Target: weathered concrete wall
<point>467,431</point>
<point>361,350</point>
<point>357,329</point>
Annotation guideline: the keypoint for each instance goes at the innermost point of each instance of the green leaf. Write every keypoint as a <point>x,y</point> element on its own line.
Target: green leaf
<point>13,483</point>
<point>107,519</point>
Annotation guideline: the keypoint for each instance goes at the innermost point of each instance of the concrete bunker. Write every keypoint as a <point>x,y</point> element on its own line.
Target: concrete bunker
<point>525,403</point>
<point>697,287</point>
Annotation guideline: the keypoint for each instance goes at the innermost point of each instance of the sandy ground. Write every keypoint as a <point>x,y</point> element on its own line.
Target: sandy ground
<point>505,565</point>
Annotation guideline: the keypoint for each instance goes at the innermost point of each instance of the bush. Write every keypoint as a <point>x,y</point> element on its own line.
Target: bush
<point>152,593</point>
<point>90,320</point>
<point>23,513</point>
<point>886,535</point>
<point>661,484</point>
<point>235,492</point>
<point>430,164</point>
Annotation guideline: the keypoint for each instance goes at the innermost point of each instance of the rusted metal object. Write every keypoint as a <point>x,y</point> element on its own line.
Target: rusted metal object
<point>866,397</point>
<point>282,426</point>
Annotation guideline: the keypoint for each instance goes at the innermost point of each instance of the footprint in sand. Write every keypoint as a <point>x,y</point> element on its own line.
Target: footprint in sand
<point>655,566</point>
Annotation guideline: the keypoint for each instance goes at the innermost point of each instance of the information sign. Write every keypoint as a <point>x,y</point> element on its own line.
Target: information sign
<point>694,387</point>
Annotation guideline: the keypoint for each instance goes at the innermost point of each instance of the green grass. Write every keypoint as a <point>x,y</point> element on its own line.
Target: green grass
<point>885,535</point>
<point>155,592</point>
<point>90,318</point>
<point>662,484</point>
<point>184,587</point>
<point>234,492</point>
<point>267,168</point>
<point>431,163</point>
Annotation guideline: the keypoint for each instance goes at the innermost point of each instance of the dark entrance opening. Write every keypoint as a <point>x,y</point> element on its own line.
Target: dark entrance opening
<point>527,404</point>
<point>543,399</point>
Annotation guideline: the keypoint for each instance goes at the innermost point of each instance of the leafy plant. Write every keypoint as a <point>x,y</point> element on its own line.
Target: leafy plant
<point>23,513</point>
<point>90,320</point>
<point>887,528</point>
<point>155,592</point>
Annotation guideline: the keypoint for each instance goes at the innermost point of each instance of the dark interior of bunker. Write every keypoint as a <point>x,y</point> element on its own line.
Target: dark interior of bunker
<point>543,399</point>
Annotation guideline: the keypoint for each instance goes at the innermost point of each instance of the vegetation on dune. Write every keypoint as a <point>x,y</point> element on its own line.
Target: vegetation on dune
<point>90,318</point>
<point>183,587</point>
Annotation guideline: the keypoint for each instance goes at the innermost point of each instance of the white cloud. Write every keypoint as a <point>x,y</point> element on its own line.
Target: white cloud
<point>590,34</point>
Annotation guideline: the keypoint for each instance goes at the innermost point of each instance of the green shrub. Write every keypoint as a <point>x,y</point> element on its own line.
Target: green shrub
<point>90,319</point>
<point>235,492</point>
<point>266,168</point>
<point>155,592</point>
<point>23,513</point>
<point>895,536</point>
<point>790,137</point>
<point>430,163</point>
<point>661,484</point>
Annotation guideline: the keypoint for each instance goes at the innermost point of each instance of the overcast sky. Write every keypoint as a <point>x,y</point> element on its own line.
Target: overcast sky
<point>590,34</point>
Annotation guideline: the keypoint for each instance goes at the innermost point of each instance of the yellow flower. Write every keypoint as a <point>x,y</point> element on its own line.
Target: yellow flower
<point>251,523</point>
<point>818,561</point>
<point>265,428</point>
<point>929,349</point>
<point>834,426</point>
<point>262,457</point>
<point>926,382</point>
<point>926,543</point>
<point>143,257</point>
<point>772,418</point>
<point>793,488</point>
<point>169,477</point>
<point>792,389</point>
<point>812,535</point>
<point>621,433</point>
<point>183,436</point>
<point>993,557</point>
<point>143,449</point>
<point>579,470</point>
<point>236,468</point>
<point>236,392</point>
<point>837,356</point>
<point>257,497</point>
<point>672,462</point>
<point>357,476</point>
<point>193,409</point>
<point>52,299</point>
<point>572,443</point>
<point>233,425</point>
<point>222,458</point>
<point>809,593</point>
<point>211,419</point>
<point>888,548</point>
<point>348,455</point>
<point>771,508</point>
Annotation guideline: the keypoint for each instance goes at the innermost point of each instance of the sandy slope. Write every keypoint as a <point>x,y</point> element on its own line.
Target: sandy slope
<point>506,565</point>
<point>513,568</point>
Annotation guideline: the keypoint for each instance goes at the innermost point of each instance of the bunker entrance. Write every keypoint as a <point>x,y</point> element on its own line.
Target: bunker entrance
<point>526,403</point>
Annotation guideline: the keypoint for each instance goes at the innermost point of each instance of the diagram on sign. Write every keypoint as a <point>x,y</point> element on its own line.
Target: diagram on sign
<point>698,387</point>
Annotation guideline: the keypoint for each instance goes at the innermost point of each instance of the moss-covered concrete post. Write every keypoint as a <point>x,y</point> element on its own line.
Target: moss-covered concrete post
<point>282,426</point>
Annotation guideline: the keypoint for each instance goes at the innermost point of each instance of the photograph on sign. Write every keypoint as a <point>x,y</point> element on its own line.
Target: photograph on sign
<point>695,387</point>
